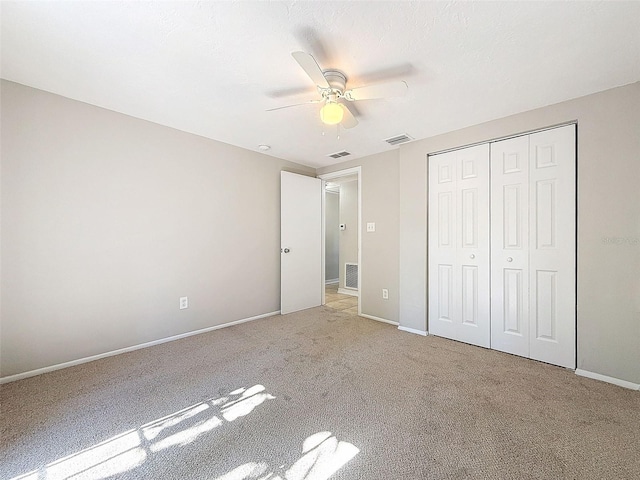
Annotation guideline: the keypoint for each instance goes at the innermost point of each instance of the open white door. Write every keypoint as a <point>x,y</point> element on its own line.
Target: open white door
<point>301,242</point>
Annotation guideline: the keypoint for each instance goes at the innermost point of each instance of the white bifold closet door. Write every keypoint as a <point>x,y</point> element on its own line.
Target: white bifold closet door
<point>502,225</point>
<point>459,245</point>
<point>533,246</point>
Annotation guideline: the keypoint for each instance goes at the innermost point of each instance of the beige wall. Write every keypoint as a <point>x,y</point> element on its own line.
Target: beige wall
<point>331,235</point>
<point>608,208</point>
<point>107,220</point>
<point>379,268</point>
<point>348,238</point>
<point>608,224</point>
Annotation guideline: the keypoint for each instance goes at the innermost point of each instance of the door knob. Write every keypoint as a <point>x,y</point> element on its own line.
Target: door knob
<point>286,250</point>
<point>472,256</point>
<point>509,259</point>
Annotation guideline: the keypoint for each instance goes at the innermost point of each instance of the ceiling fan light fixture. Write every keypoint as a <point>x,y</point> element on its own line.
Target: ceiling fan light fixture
<point>331,113</point>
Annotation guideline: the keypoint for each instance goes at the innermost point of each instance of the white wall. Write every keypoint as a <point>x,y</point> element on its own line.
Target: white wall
<point>608,317</point>
<point>332,235</point>
<point>107,220</point>
<point>349,217</point>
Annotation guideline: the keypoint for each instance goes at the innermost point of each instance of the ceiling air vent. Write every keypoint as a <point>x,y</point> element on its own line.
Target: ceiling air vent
<point>341,154</point>
<point>398,139</point>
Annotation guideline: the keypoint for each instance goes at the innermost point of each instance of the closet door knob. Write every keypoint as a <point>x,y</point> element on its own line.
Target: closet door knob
<point>472,256</point>
<point>509,259</point>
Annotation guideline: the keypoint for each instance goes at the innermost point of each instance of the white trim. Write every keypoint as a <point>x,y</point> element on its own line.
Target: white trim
<point>359,170</point>
<point>506,137</point>
<point>606,378</point>
<point>378,319</point>
<point>413,330</point>
<point>333,281</point>
<point>340,173</point>
<point>337,174</point>
<point>348,291</point>
<point>323,247</point>
<point>40,371</point>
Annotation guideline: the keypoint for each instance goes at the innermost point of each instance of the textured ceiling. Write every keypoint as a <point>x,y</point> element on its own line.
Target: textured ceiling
<point>213,68</point>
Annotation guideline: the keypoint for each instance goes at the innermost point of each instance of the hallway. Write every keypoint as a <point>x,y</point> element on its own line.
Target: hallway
<point>340,301</point>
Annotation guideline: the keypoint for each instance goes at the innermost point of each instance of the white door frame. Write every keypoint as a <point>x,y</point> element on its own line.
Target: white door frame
<point>331,176</point>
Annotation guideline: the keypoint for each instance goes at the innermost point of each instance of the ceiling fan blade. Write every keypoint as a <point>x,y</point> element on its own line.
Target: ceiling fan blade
<point>382,90</point>
<point>311,68</point>
<point>348,120</point>
<point>293,105</point>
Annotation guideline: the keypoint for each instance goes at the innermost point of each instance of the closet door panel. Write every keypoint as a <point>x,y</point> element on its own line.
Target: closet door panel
<point>473,245</point>
<point>510,246</point>
<point>443,308</point>
<point>552,249</point>
<point>459,245</point>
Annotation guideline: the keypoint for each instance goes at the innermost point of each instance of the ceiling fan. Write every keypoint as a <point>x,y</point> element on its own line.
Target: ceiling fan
<point>331,86</point>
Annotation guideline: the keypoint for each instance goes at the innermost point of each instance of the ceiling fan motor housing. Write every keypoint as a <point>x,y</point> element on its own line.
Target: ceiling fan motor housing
<point>337,80</point>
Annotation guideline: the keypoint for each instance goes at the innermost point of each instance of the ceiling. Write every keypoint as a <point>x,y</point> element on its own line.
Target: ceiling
<point>213,68</point>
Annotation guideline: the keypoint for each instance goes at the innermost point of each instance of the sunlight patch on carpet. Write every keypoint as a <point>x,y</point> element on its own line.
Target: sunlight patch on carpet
<point>323,455</point>
<point>131,449</point>
<point>249,400</point>
<point>153,430</point>
<point>185,437</point>
<point>113,456</point>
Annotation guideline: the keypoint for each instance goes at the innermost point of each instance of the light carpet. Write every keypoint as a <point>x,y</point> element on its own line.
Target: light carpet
<point>314,395</point>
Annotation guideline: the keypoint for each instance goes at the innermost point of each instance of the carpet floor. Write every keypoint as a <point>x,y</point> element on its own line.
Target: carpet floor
<point>314,395</point>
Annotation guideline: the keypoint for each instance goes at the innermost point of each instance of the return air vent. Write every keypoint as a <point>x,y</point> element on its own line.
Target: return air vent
<point>398,139</point>
<point>341,154</point>
<point>351,275</point>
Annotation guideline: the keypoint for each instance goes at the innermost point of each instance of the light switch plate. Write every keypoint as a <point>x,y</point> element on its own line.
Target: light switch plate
<point>371,227</point>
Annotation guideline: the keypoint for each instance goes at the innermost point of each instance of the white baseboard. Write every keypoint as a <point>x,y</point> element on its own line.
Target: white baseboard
<point>606,378</point>
<point>333,281</point>
<point>39,371</point>
<point>413,330</point>
<point>346,291</point>
<point>378,319</point>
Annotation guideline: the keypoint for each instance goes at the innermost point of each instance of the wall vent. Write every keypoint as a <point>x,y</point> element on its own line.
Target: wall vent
<point>351,275</point>
<point>341,154</point>
<point>398,139</point>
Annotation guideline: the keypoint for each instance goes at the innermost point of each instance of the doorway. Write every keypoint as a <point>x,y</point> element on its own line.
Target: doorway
<point>341,220</point>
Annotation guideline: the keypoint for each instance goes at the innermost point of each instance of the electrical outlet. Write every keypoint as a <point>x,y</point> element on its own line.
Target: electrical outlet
<point>184,303</point>
<point>385,294</point>
<point>371,226</point>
